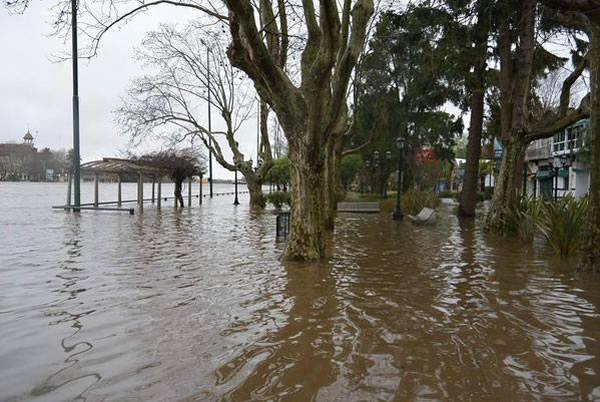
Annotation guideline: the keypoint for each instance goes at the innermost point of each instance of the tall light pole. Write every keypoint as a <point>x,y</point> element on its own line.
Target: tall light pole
<point>210,175</point>
<point>398,215</point>
<point>76,157</point>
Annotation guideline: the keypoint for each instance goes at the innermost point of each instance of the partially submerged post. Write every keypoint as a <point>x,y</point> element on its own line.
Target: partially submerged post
<point>70,178</point>
<point>190,191</point>
<point>96,190</point>
<point>159,192</point>
<point>153,180</point>
<point>141,191</point>
<point>200,190</point>
<point>119,199</point>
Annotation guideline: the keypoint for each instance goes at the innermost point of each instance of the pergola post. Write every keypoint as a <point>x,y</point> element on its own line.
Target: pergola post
<point>153,180</point>
<point>200,191</point>
<point>119,190</point>
<point>190,191</point>
<point>159,192</point>
<point>96,190</point>
<point>141,191</point>
<point>70,180</point>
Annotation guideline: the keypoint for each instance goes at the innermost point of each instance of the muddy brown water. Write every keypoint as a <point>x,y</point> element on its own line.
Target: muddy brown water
<point>193,304</point>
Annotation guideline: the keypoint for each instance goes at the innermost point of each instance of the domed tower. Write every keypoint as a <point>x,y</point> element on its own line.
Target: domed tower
<point>28,138</point>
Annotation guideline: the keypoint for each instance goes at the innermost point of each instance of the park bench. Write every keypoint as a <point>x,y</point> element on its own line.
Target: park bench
<point>359,207</point>
<point>426,215</point>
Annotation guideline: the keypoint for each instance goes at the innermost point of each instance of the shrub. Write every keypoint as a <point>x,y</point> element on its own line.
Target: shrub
<point>523,217</point>
<point>448,194</point>
<point>414,201</point>
<point>562,223</point>
<point>279,198</point>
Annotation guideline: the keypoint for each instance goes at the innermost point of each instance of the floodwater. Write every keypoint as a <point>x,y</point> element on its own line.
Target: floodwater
<point>193,304</point>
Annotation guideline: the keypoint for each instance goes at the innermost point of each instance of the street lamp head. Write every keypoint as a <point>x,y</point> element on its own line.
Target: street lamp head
<point>564,160</point>
<point>388,155</point>
<point>376,155</point>
<point>400,143</point>
<point>551,161</point>
<point>367,163</point>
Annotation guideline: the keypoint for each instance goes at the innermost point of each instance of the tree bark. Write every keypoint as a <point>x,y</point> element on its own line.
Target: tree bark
<point>515,82</point>
<point>591,247</point>
<point>468,196</point>
<point>310,212</point>
<point>504,191</point>
<point>257,197</point>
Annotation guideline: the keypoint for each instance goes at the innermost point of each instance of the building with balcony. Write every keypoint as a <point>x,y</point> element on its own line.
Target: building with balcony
<point>555,167</point>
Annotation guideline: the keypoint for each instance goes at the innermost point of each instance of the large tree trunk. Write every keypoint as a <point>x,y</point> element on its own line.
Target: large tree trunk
<point>591,246</point>
<point>468,196</point>
<point>309,202</point>
<point>257,198</point>
<point>504,191</point>
<point>515,82</point>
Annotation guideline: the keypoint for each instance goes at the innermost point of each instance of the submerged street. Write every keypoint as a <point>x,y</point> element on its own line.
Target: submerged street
<point>194,304</point>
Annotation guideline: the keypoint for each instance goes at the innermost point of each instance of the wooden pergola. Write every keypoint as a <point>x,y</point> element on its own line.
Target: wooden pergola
<point>121,167</point>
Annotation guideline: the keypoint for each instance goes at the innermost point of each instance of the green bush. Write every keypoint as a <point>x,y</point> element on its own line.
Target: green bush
<point>413,202</point>
<point>351,196</point>
<point>449,194</point>
<point>279,198</point>
<point>562,223</point>
<point>522,217</point>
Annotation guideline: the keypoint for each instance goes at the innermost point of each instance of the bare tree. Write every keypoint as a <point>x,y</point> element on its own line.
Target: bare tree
<point>549,90</point>
<point>191,68</point>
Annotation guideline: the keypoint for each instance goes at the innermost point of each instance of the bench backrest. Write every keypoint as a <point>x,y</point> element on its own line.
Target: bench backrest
<point>425,214</point>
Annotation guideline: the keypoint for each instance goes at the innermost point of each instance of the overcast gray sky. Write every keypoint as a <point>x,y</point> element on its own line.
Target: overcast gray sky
<point>36,93</point>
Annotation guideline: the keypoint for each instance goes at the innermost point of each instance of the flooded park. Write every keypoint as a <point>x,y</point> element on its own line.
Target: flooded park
<point>194,304</point>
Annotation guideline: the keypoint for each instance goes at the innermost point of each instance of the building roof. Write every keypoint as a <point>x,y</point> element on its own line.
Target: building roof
<point>28,136</point>
<point>115,165</point>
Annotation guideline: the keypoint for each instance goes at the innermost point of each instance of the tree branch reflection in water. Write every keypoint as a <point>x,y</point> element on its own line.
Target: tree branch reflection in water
<point>71,274</point>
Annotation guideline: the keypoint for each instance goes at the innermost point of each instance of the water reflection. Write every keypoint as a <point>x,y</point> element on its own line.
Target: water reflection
<point>295,360</point>
<point>71,274</point>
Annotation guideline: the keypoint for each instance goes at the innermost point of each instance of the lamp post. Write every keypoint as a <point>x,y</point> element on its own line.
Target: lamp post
<point>556,162</point>
<point>388,157</point>
<point>76,157</point>
<point>398,215</point>
<point>376,166</point>
<point>210,157</point>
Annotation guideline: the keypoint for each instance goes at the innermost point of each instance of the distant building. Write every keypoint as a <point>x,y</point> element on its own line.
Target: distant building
<point>16,160</point>
<point>543,178</point>
<point>485,181</point>
<point>23,162</point>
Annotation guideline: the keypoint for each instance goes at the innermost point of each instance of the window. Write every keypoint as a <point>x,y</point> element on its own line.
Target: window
<point>568,139</point>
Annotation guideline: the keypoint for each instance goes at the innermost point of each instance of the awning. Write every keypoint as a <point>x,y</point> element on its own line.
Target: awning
<point>543,174</point>
<point>546,174</point>
<point>581,170</point>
